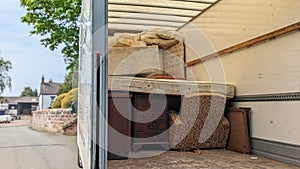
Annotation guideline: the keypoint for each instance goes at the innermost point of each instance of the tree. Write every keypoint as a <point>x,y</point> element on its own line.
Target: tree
<point>69,83</point>
<point>5,79</point>
<point>57,21</point>
<point>27,91</point>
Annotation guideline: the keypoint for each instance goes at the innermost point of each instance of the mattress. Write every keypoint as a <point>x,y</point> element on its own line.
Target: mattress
<point>167,86</point>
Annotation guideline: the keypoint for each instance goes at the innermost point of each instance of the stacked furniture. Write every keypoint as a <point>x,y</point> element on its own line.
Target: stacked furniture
<point>147,83</point>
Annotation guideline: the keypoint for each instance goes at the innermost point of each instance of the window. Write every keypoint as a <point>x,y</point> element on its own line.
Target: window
<point>52,98</point>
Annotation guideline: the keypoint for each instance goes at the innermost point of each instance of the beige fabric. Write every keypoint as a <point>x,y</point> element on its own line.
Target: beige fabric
<point>126,40</point>
<point>171,51</point>
<point>135,43</point>
<point>163,38</point>
<point>165,35</point>
<point>131,61</point>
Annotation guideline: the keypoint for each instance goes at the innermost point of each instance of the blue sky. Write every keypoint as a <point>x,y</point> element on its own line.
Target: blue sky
<point>30,60</point>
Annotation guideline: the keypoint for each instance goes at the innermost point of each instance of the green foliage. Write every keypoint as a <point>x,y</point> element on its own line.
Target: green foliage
<point>57,21</point>
<point>69,98</point>
<point>66,101</point>
<point>3,100</point>
<point>57,101</point>
<point>27,91</point>
<point>69,83</point>
<point>5,80</point>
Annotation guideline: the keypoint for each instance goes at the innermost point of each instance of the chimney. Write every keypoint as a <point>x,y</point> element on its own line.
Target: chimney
<point>43,79</point>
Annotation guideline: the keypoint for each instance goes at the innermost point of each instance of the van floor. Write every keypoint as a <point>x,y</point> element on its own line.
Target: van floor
<point>209,159</point>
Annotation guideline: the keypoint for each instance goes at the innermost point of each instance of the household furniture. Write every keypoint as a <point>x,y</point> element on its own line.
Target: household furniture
<point>201,122</point>
<point>139,108</point>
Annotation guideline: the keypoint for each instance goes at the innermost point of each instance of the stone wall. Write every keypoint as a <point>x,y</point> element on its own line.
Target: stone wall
<point>53,120</point>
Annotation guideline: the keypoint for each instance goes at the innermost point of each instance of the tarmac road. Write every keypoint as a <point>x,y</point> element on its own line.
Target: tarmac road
<point>24,148</point>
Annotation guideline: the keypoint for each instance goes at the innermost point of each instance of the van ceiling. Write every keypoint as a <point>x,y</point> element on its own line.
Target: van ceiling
<point>138,15</point>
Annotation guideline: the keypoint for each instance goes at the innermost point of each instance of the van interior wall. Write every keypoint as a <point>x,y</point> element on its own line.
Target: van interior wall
<point>269,67</point>
<point>230,22</point>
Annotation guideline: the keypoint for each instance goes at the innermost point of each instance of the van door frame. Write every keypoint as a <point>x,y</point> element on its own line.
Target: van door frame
<point>100,89</point>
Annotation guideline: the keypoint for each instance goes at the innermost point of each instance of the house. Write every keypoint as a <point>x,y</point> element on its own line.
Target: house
<point>23,105</point>
<point>48,93</point>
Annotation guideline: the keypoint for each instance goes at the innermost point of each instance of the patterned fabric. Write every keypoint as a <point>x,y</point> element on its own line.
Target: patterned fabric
<point>200,123</point>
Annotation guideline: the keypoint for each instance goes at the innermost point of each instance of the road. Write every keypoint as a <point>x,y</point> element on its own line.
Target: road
<point>24,148</point>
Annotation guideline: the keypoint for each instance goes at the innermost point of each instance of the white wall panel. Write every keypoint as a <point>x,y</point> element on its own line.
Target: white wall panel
<point>275,121</point>
<point>230,22</point>
<point>265,68</point>
<point>270,67</point>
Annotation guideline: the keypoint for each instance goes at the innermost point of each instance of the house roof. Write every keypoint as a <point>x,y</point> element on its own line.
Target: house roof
<point>49,88</point>
<point>15,100</point>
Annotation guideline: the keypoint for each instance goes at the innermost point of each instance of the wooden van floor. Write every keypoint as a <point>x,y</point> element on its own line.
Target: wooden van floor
<point>209,159</point>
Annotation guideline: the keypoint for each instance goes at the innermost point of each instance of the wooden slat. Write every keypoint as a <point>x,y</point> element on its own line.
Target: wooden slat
<point>146,19</point>
<point>180,5</point>
<point>156,13</point>
<point>144,22</point>
<point>195,1</point>
<point>156,6</point>
<point>201,13</point>
<point>148,16</point>
<point>134,28</point>
<point>141,24</point>
<point>248,43</point>
<point>146,9</point>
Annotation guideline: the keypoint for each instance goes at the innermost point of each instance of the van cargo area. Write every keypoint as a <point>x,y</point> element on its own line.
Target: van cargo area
<point>207,83</point>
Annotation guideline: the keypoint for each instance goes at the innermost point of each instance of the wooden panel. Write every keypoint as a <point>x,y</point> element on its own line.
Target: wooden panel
<point>150,133</point>
<point>151,141</point>
<point>120,124</point>
<point>157,125</point>
<point>239,139</point>
<point>249,119</point>
<point>142,104</point>
<point>248,43</point>
<point>153,136</point>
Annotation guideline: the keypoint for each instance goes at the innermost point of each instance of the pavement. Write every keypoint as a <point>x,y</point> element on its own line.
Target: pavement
<point>24,148</point>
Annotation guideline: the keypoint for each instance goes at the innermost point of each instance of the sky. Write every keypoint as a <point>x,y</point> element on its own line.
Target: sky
<point>30,60</point>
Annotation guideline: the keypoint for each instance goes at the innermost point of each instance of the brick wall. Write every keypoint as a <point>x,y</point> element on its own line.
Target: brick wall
<point>53,120</point>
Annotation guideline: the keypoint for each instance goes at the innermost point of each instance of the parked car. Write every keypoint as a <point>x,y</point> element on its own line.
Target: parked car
<point>5,118</point>
<point>13,113</point>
